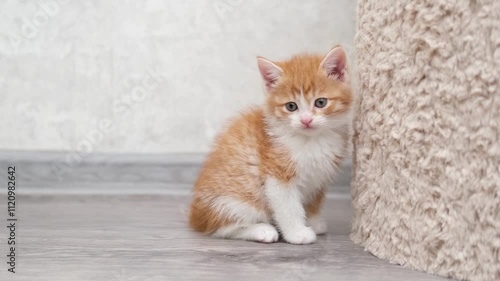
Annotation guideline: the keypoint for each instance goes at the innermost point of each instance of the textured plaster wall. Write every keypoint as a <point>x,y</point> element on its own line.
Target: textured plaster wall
<point>145,76</point>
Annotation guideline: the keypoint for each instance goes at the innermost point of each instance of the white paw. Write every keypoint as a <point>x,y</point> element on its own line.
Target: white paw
<point>265,234</point>
<point>304,235</point>
<point>318,224</point>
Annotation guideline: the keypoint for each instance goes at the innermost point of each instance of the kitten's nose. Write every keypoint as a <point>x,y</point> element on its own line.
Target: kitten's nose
<point>306,121</point>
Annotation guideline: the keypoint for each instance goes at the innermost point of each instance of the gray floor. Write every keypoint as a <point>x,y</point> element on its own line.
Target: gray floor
<point>126,238</point>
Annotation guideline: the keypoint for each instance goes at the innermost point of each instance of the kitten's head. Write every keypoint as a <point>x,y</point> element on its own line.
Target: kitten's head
<point>307,94</point>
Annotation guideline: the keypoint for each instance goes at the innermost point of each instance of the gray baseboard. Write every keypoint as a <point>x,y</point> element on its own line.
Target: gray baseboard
<point>102,173</point>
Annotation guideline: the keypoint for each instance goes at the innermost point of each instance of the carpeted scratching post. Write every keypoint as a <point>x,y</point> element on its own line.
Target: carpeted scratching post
<point>426,179</point>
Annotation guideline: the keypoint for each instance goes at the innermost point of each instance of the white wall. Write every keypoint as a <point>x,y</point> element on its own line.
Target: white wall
<point>81,74</point>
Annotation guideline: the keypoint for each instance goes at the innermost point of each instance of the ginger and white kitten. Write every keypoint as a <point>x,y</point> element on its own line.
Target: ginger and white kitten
<point>268,172</point>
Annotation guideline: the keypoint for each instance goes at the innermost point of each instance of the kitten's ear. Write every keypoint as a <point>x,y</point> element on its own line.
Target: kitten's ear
<point>334,64</point>
<point>270,72</point>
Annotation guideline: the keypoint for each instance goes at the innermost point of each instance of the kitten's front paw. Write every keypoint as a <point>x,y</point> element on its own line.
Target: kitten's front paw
<point>304,235</point>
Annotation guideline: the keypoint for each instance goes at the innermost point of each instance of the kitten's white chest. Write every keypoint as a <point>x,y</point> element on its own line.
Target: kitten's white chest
<point>315,162</point>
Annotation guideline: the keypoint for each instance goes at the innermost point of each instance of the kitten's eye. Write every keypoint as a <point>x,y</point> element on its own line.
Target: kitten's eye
<point>320,103</point>
<point>291,106</point>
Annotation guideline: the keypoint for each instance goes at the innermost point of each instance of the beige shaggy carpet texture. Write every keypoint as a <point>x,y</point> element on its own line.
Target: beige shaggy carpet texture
<point>426,179</point>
